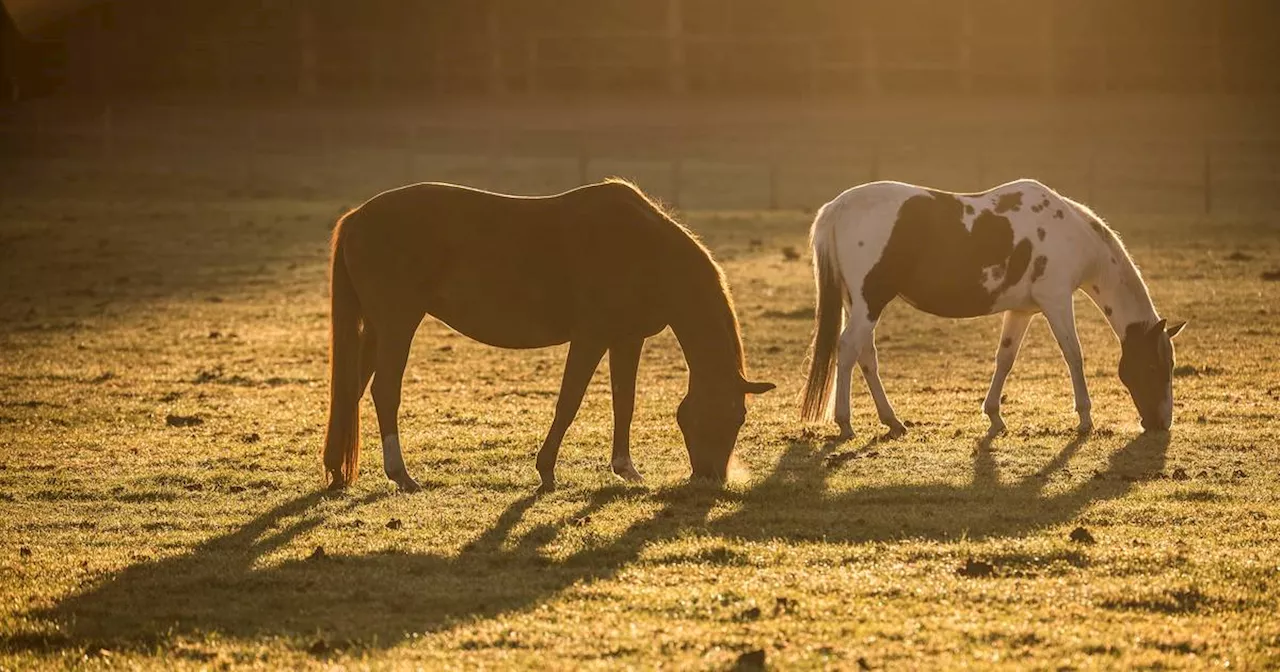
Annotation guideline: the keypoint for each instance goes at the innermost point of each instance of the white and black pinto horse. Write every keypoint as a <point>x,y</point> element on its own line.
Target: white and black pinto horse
<point>1017,249</point>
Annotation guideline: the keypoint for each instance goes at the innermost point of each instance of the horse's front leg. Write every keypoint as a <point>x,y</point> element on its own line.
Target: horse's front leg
<point>1015,328</point>
<point>584,356</point>
<point>624,361</point>
<point>1062,321</point>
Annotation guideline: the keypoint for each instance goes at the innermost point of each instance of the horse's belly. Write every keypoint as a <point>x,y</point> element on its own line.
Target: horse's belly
<point>946,298</point>
<point>532,314</point>
<point>503,329</point>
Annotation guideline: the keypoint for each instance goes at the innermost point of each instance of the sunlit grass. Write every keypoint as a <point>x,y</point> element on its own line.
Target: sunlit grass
<point>129,541</point>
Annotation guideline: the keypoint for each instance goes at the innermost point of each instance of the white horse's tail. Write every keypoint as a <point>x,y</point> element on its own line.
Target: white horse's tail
<point>827,316</point>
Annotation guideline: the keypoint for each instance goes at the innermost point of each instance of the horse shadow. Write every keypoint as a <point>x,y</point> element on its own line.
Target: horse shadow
<point>228,585</point>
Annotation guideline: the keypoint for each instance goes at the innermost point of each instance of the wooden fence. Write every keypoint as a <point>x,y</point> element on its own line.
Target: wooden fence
<point>699,167</point>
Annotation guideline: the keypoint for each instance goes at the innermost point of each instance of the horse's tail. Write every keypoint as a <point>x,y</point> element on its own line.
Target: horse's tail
<point>827,315</point>
<point>342,438</point>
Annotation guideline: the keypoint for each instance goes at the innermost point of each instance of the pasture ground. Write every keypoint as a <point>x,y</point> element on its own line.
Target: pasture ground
<point>163,348</point>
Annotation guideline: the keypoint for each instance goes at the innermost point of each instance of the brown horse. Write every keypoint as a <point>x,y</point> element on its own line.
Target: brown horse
<point>600,267</point>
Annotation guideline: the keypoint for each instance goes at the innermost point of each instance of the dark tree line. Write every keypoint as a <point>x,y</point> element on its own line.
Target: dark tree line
<point>342,48</point>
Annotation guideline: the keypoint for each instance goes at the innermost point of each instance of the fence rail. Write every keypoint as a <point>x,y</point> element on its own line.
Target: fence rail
<point>689,166</point>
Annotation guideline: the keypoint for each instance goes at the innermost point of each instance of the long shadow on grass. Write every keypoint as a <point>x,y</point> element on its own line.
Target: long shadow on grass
<point>378,600</point>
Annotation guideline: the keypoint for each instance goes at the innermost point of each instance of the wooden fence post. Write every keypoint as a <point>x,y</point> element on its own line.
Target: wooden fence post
<point>774,178</point>
<point>677,181</point>
<point>677,80</point>
<point>307,53</point>
<point>1208,177</point>
<point>497,71</point>
<point>966,47</point>
<point>108,134</point>
<point>493,158</point>
<point>870,61</point>
<point>410,151</point>
<point>250,152</point>
<point>584,157</point>
<point>1091,175</point>
<point>1049,64</point>
<point>815,69</point>
<point>531,83</point>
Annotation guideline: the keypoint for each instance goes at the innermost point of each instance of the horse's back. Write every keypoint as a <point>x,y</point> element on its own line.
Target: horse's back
<point>510,271</point>
<point>947,253</point>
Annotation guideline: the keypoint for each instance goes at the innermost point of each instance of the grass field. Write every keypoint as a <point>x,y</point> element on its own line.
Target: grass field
<point>163,348</point>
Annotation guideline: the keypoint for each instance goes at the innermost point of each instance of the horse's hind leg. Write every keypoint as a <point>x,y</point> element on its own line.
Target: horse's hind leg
<point>624,360</point>
<point>1015,328</point>
<point>871,374</point>
<point>391,355</point>
<point>853,340</point>
<point>368,356</point>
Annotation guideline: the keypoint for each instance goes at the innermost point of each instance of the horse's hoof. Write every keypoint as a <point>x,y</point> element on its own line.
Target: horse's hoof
<point>995,430</point>
<point>404,482</point>
<point>548,485</point>
<point>336,483</point>
<point>628,473</point>
<point>846,432</point>
<point>895,432</point>
<point>1084,429</point>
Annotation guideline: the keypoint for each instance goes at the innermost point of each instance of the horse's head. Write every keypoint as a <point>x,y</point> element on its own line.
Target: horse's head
<point>709,418</point>
<point>1146,368</point>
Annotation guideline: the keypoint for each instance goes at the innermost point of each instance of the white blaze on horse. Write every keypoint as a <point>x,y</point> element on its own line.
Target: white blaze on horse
<point>1017,249</point>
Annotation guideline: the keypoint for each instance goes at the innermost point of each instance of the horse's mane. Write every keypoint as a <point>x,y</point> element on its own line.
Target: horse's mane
<point>665,215</point>
<point>1132,274</point>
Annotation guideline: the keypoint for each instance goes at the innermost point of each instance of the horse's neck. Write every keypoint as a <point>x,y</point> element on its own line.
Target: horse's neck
<point>710,347</point>
<point>1119,291</point>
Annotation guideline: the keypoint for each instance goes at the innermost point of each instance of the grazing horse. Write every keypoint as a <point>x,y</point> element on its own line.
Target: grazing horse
<point>1019,249</point>
<point>600,267</point>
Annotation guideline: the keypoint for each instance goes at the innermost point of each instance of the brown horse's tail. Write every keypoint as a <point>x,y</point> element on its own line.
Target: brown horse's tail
<point>827,315</point>
<point>342,438</point>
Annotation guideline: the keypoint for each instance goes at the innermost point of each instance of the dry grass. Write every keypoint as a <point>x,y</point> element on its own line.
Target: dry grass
<point>127,541</point>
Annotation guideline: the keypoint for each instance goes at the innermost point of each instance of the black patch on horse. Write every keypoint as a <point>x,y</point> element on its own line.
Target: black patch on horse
<point>1006,342</point>
<point>938,265</point>
<point>968,209</point>
<point>1040,233</point>
<point>1009,202</point>
<point>1057,214</point>
<point>1107,310</point>
<point>1017,265</point>
<point>1038,271</point>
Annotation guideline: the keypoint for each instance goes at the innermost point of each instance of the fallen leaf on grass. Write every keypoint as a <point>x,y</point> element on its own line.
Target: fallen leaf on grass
<point>976,569</point>
<point>183,420</point>
<point>751,660</point>
<point>1082,536</point>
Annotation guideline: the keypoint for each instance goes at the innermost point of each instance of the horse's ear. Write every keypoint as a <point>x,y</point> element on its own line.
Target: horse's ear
<point>1158,326</point>
<point>756,388</point>
<point>1175,329</point>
